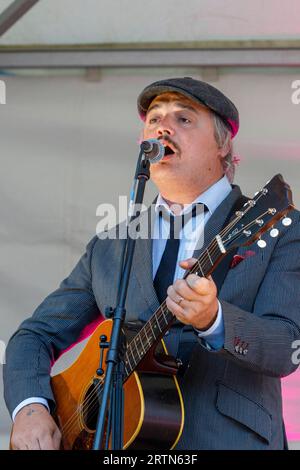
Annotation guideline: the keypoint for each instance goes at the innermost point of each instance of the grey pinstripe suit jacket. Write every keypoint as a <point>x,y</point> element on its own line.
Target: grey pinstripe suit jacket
<point>232,399</point>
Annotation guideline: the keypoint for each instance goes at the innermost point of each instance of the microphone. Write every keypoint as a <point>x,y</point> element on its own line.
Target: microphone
<point>153,150</point>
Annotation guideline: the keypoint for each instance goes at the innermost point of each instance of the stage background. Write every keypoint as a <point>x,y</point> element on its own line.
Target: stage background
<point>68,134</point>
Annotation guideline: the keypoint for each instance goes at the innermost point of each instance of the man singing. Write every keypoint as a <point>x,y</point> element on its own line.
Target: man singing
<point>234,339</point>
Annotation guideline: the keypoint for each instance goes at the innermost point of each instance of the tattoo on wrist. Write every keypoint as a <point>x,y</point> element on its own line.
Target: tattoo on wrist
<point>30,411</point>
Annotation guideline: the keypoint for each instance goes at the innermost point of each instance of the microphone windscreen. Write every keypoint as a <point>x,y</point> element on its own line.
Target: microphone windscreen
<point>153,149</point>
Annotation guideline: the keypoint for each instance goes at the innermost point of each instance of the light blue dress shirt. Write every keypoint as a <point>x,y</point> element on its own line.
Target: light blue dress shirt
<point>190,239</point>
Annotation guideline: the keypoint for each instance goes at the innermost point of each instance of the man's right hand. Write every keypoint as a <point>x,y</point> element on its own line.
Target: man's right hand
<point>35,429</point>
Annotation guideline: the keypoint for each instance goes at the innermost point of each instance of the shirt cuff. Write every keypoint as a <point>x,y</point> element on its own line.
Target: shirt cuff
<point>29,401</point>
<point>214,326</point>
<point>214,337</point>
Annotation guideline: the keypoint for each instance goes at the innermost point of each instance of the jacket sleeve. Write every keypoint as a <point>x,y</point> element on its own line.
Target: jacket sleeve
<point>262,340</point>
<point>54,326</point>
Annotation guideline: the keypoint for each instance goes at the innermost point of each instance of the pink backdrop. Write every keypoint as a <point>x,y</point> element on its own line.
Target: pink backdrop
<point>291,405</point>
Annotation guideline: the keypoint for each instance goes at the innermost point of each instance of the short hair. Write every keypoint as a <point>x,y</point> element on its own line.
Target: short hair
<point>222,134</point>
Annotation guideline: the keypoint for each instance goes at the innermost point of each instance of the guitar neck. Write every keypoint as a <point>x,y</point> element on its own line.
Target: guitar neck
<point>161,321</point>
<point>254,218</point>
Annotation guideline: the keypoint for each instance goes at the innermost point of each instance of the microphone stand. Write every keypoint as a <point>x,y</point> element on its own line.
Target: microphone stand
<point>112,398</point>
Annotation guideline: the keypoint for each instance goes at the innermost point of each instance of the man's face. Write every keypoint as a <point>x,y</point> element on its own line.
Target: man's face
<point>186,129</point>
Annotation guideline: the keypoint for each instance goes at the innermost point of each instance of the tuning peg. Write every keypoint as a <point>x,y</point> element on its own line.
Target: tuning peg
<point>247,233</point>
<point>239,213</point>
<point>261,243</point>
<point>286,221</point>
<point>259,222</point>
<point>274,232</point>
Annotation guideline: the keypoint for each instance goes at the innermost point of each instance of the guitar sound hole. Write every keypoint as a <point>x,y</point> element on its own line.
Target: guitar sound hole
<point>90,407</point>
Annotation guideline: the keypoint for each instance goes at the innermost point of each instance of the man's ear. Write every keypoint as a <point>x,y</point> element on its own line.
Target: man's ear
<point>222,154</point>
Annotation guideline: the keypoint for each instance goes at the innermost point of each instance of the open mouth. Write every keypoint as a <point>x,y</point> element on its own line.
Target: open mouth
<point>168,150</point>
<point>171,148</point>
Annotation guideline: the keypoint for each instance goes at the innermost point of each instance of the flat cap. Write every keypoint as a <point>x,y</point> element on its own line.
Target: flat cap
<point>196,90</point>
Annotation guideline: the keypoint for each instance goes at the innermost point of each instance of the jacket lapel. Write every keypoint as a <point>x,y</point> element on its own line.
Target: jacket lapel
<point>142,265</point>
<point>217,220</point>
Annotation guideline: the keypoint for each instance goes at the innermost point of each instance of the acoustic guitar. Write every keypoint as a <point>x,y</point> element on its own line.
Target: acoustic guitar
<point>153,404</point>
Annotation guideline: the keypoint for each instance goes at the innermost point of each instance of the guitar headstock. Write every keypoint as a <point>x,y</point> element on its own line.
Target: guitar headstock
<point>268,205</point>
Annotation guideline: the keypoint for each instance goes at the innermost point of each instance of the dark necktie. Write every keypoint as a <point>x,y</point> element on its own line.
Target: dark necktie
<point>165,273</point>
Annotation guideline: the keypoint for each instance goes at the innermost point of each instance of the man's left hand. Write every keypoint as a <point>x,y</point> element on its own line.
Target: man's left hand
<point>193,300</point>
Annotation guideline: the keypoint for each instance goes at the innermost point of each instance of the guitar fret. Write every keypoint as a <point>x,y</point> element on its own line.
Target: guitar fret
<point>166,310</point>
<point>207,251</point>
<point>152,328</point>
<point>127,361</point>
<point>145,328</point>
<point>158,323</point>
<point>206,266</point>
<point>145,346</point>
<point>141,343</point>
<point>133,356</point>
<point>134,342</point>
<point>129,349</point>
<point>200,267</point>
<point>163,312</point>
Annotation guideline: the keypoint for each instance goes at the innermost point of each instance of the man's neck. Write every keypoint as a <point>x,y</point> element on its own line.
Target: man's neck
<point>181,198</point>
<point>212,197</point>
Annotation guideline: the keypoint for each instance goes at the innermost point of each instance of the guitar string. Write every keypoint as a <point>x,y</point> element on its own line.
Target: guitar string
<point>91,400</point>
<point>93,397</point>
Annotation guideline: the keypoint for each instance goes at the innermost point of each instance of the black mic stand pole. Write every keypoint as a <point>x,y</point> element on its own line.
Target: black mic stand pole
<point>112,397</point>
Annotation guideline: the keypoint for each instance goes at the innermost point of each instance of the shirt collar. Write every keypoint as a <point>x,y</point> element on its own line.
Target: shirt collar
<point>212,197</point>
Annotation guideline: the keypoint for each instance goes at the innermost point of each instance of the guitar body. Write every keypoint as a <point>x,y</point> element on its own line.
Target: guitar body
<point>153,406</point>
